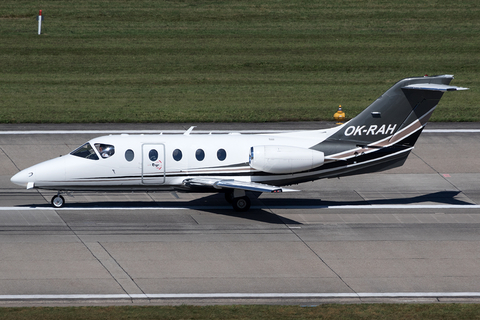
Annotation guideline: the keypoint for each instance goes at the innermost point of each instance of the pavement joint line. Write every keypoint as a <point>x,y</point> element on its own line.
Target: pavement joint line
<point>350,207</point>
<point>323,261</point>
<point>112,266</point>
<point>241,295</point>
<point>34,132</point>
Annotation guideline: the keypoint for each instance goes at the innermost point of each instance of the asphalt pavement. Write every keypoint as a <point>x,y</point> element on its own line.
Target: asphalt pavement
<point>408,234</point>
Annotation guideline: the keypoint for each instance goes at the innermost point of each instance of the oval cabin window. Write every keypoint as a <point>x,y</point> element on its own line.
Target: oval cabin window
<point>177,154</point>
<point>129,155</point>
<point>153,155</point>
<point>221,154</point>
<point>200,154</point>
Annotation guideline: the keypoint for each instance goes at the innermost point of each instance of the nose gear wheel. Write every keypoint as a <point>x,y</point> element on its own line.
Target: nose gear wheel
<point>58,201</point>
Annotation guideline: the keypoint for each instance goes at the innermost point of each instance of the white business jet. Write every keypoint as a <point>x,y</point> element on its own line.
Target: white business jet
<point>379,138</point>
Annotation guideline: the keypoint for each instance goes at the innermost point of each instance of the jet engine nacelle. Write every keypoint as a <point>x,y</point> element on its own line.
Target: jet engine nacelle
<point>284,159</point>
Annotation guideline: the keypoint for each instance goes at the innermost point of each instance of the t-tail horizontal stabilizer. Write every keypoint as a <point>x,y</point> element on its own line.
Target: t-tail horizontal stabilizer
<point>433,87</point>
<point>399,114</point>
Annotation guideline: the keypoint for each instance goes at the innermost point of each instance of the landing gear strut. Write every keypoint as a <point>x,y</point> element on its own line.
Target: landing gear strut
<point>58,201</point>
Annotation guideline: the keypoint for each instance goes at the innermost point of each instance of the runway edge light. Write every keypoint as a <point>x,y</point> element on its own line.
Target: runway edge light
<point>40,18</point>
<point>339,115</point>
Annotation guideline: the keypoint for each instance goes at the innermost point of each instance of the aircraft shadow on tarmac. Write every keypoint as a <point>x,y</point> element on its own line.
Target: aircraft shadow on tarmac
<point>441,197</point>
<point>215,204</point>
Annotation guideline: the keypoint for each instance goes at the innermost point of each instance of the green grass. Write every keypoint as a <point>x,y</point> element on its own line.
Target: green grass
<point>355,311</point>
<point>224,61</point>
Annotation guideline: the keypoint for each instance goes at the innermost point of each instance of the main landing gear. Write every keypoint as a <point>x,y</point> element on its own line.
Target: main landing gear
<point>58,201</point>
<point>239,201</point>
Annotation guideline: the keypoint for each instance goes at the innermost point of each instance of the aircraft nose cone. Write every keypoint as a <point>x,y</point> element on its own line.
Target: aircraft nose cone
<point>42,174</point>
<point>23,178</point>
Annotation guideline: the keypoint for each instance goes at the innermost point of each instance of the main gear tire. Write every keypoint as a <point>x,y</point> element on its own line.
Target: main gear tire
<point>241,204</point>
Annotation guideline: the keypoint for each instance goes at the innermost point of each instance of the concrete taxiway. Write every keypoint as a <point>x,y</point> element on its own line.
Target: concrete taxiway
<point>408,234</point>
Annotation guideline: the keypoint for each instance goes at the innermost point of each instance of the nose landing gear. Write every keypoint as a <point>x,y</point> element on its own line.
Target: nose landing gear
<point>57,201</point>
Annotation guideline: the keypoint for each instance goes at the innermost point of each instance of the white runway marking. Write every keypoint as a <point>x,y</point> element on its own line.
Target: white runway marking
<point>100,208</point>
<point>451,130</point>
<point>404,206</point>
<point>361,295</point>
<point>34,132</point>
<point>347,207</point>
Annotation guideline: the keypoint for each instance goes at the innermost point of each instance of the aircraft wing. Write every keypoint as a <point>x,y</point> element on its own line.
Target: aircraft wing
<point>235,184</point>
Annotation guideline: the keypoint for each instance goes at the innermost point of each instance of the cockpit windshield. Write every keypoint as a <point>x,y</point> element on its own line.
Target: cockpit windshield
<point>105,150</point>
<point>86,151</point>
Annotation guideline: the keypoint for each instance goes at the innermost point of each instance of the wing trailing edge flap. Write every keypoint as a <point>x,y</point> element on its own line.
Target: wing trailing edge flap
<point>235,184</point>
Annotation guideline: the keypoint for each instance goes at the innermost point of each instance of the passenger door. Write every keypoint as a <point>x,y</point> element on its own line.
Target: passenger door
<point>153,163</point>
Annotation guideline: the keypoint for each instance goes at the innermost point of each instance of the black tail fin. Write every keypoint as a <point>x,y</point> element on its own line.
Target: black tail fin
<point>400,113</point>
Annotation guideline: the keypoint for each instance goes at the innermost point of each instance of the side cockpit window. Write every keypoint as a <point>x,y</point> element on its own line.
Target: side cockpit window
<point>105,150</point>
<point>86,151</point>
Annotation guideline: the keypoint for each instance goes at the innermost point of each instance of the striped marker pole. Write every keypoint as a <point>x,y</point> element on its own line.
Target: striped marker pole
<point>40,18</point>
